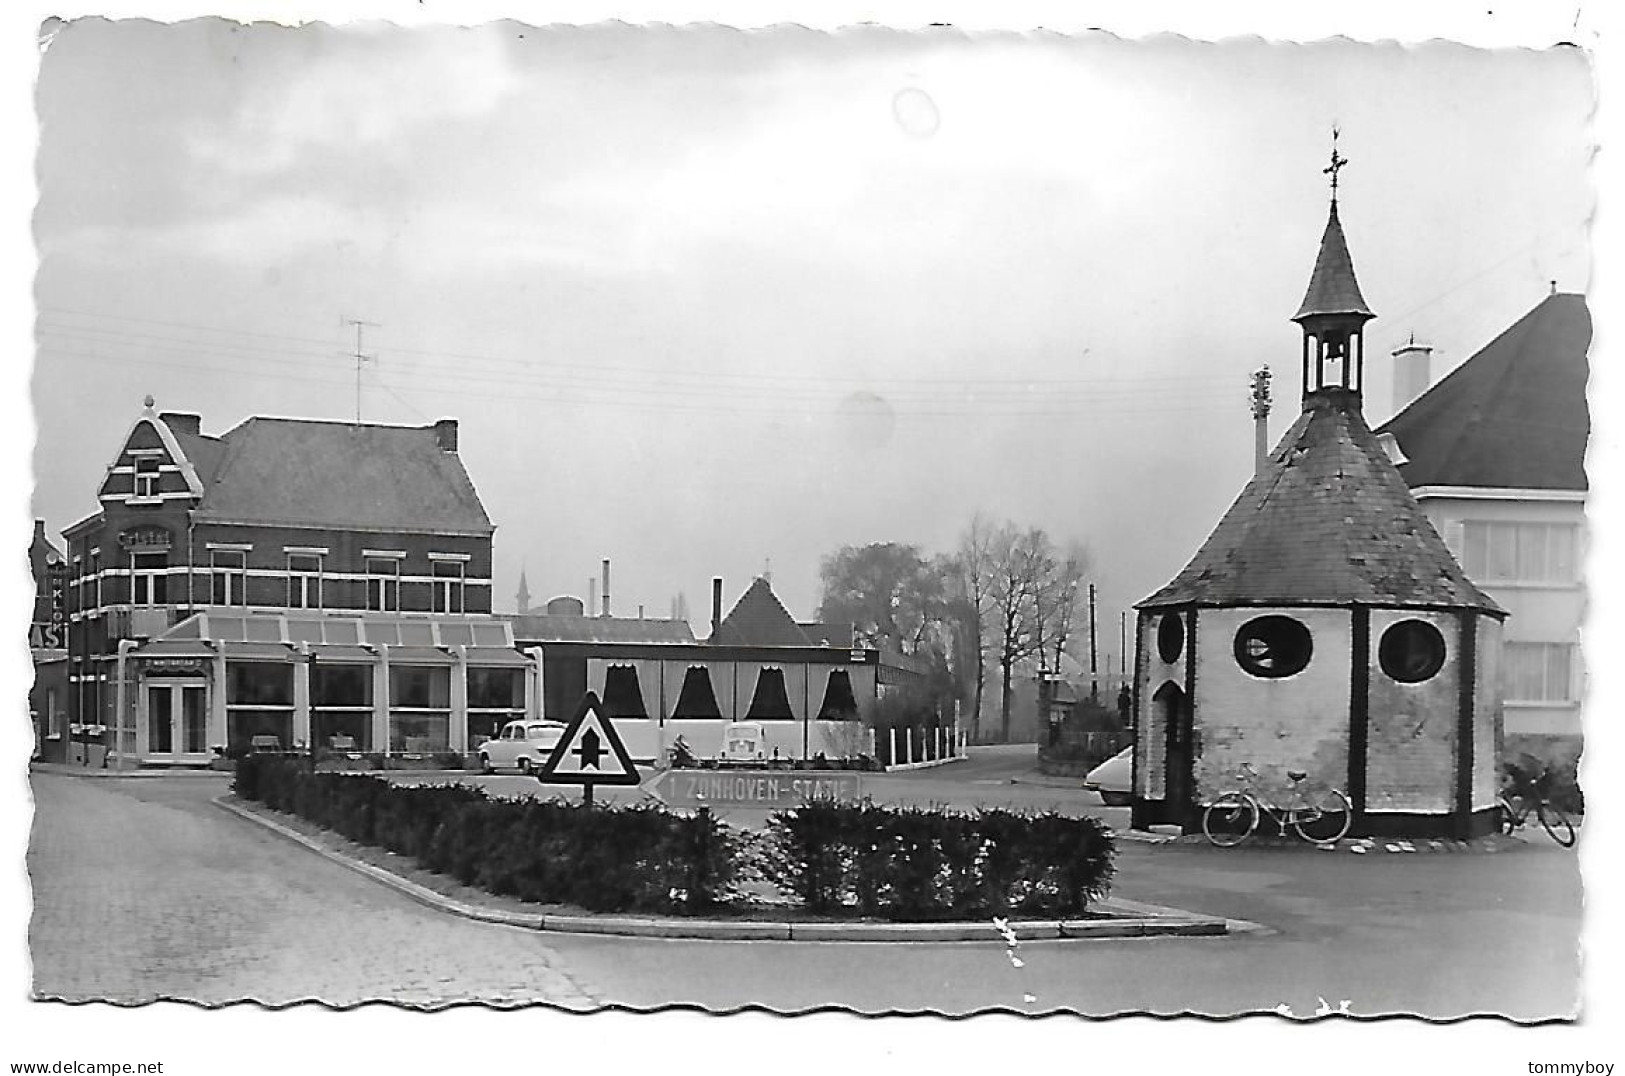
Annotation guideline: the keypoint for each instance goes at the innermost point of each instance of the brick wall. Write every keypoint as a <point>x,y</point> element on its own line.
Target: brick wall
<point>1152,674</point>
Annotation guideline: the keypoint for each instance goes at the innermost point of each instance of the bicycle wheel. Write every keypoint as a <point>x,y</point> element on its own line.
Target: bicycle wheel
<point>1230,819</point>
<point>1557,824</point>
<point>1506,819</point>
<point>1325,818</point>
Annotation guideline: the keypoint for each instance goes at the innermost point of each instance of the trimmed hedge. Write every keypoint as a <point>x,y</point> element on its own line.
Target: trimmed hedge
<point>837,859</point>
<point>911,864</point>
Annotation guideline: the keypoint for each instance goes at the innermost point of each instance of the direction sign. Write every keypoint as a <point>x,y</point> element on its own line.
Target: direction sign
<point>770,789</point>
<point>589,752</point>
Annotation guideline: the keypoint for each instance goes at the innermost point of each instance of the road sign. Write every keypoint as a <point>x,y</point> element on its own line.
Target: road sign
<point>589,752</point>
<point>768,789</point>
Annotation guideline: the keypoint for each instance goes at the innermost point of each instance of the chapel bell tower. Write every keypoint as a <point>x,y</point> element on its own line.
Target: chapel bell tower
<point>1333,314</point>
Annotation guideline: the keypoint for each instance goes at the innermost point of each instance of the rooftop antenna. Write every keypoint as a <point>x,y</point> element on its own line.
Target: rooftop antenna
<point>360,357</point>
<point>1338,161</point>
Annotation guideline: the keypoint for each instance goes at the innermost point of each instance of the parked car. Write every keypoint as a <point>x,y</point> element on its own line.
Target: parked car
<point>521,745</point>
<point>1113,779</point>
<point>744,741</point>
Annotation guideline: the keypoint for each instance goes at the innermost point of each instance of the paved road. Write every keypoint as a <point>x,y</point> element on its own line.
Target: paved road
<point>145,890</point>
<point>189,902</point>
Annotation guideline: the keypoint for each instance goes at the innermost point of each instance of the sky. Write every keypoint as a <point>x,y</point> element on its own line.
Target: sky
<point>663,286</point>
<point>710,303</point>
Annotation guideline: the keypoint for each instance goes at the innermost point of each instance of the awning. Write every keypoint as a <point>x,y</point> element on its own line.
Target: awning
<point>487,656</point>
<point>173,648</point>
<point>257,651</point>
<point>418,655</point>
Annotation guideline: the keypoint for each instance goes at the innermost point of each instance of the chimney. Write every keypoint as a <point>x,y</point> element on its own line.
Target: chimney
<point>606,586</point>
<point>183,422</point>
<point>445,434</point>
<point>1412,372</point>
<point>592,595</point>
<point>716,607</point>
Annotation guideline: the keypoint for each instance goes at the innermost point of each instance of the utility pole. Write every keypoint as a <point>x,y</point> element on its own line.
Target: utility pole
<point>1094,684</point>
<point>360,357</point>
<point>1122,644</point>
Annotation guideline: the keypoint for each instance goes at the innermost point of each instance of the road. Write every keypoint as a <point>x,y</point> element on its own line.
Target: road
<point>185,901</point>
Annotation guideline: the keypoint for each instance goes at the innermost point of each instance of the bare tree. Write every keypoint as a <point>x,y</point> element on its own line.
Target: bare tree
<point>970,602</point>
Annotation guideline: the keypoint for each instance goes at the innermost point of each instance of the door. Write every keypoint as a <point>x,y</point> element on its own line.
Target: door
<point>1176,719</point>
<point>177,720</point>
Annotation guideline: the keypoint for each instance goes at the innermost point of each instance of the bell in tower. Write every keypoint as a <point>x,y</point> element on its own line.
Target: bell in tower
<point>1333,314</point>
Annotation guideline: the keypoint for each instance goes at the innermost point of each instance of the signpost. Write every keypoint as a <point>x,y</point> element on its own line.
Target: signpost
<point>765,789</point>
<point>589,752</point>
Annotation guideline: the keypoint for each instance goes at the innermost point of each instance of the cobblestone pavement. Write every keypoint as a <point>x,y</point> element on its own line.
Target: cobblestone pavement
<point>143,890</point>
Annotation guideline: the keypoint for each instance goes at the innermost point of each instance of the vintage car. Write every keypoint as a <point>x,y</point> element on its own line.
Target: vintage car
<point>744,741</point>
<point>1113,779</point>
<point>521,745</point>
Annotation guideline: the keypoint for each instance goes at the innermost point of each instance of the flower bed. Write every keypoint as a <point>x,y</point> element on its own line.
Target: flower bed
<point>834,860</point>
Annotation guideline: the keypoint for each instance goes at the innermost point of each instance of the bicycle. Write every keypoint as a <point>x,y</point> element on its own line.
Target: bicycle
<point>1320,818</point>
<point>1515,811</point>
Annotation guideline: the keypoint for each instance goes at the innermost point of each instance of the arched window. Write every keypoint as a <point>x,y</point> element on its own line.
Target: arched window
<point>1273,646</point>
<point>1411,651</point>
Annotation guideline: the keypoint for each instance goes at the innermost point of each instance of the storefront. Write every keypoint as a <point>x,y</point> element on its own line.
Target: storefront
<point>227,682</point>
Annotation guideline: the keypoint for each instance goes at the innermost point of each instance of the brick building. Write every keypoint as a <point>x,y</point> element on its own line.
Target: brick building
<point>1323,626</point>
<point>289,579</point>
<point>48,645</point>
<point>1495,455</point>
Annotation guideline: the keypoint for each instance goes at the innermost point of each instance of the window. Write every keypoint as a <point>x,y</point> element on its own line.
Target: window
<point>384,584</point>
<point>259,702</point>
<point>230,581</point>
<point>495,697</point>
<point>1170,638</point>
<point>1273,646</point>
<point>341,706</point>
<point>419,708</point>
<point>146,476</point>
<point>304,580</point>
<point>1538,672</point>
<point>1411,651</point>
<point>839,703</point>
<point>149,578</point>
<point>770,701</point>
<point>448,586</point>
<point>696,699</point>
<point>1499,552</point>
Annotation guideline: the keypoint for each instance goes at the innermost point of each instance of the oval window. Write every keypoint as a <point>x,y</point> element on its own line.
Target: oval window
<point>1411,651</point>
<point>1273,646</point>
<point>1170,638</point>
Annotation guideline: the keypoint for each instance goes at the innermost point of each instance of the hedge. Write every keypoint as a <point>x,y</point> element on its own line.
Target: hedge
<point>836,859</point>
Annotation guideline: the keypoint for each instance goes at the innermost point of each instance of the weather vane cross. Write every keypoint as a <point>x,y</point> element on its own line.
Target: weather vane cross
<point>1338,161</point>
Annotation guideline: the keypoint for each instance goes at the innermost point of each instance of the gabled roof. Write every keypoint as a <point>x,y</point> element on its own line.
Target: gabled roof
<point>1328,521</point>
<point>1513,416</point>
<point>1332,287</point>
<point>759,619</point>
<point>280,470</point>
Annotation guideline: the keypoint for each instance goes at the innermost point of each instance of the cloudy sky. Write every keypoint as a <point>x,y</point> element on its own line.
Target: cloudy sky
<point>706,301</point>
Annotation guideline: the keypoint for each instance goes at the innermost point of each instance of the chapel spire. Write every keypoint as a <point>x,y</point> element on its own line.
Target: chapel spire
<point>1333,312</point>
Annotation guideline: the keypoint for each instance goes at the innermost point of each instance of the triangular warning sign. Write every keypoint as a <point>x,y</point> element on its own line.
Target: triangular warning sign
<point>590,751</point>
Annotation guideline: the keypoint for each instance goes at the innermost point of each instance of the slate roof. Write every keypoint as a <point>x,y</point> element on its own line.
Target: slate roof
<point>545,628</point>
<point>279,470</point>
<point>1328,521</point>
<point>1332,286</point>
<point>1514,415</point>
<point>758,618</point>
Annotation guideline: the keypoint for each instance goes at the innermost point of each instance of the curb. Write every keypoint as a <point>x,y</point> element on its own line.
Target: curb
<point>71,769</point>
<point>1137,920</point>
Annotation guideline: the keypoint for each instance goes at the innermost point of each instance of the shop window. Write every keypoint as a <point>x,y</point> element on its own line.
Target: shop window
<point>623,697</point>
<point>259,683</point>
<point>495,697</point>
<point>770,701</point>
<point>1170,637</point>
<point>341,685</point>
<point>1411,651</point>
<point>419,686</point>
<point>839,702</point>
<point>419,709</point>
<point>1273,646</point>
<point>341,707</point>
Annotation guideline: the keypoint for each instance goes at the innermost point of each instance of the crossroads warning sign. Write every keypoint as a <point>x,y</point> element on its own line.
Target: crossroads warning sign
<point>589,752</point>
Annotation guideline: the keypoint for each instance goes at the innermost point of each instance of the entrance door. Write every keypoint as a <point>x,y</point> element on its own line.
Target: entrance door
<point>177,720</point>
<point>1176,719</point>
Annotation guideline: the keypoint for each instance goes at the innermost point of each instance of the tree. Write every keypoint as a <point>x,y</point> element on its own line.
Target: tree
<point>970,604</point>
<point>891,595</point>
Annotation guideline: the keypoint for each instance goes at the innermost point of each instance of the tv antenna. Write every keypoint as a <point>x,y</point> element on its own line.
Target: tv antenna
<point>360,357</point>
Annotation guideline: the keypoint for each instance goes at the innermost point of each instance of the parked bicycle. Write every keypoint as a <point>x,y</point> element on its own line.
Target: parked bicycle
<point>1524,797</point>
<point>1321,817</point>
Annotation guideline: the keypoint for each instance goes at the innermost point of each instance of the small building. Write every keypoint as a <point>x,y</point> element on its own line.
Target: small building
<point>804,682</point>
<point>220,566</point>
<point>1323,626</point>
<point>1495,455</point>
